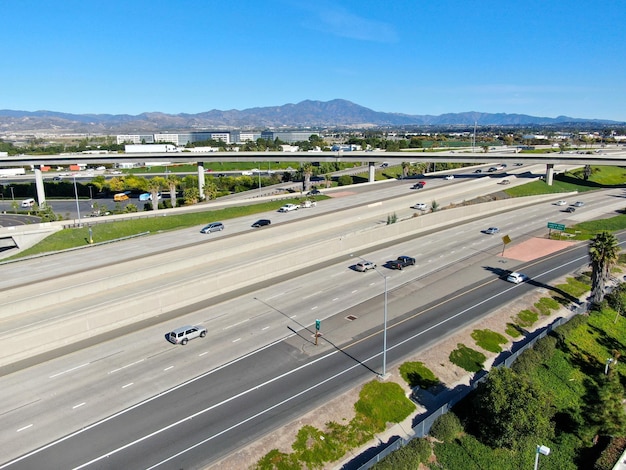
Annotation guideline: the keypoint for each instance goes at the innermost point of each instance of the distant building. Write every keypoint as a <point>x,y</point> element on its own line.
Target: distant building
<point>135,139</point>
<point>151,148</point>
<point>288,137</point>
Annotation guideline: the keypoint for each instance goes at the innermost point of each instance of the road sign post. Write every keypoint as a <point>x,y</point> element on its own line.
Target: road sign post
<point>555,226</point>
<point>318,324</point>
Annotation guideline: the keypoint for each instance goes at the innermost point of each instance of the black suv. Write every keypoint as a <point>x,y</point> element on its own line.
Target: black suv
<point>401,262</point>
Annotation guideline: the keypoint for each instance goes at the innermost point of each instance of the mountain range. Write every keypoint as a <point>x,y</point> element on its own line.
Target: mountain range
<point>336,113</point>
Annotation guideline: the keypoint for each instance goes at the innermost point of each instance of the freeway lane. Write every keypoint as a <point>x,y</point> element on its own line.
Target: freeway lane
<point>199,422</point>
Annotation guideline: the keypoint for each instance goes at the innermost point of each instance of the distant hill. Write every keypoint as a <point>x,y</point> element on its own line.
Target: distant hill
<point>306,114</point>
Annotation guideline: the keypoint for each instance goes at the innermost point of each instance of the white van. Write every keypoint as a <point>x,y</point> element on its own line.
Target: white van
<point>28,203</point>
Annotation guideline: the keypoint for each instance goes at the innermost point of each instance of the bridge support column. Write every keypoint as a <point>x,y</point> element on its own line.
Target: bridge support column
<point>372,172</point>
<point>549,173</point>
<point>201,180</point>
<point>41,194</point>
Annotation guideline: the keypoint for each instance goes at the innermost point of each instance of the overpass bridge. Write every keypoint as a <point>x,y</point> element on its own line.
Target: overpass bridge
<point>615,156</point>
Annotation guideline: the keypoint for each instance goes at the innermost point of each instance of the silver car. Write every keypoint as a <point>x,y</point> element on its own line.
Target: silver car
<point>184,334</point>
<point>364,266</point>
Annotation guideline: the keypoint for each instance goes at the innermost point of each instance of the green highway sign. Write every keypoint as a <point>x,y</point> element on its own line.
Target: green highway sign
<point>556,226</point>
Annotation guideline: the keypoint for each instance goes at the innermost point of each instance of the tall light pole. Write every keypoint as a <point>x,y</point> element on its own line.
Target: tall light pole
<point>76,196</point>
<point>384,371</point>
<point>384,328</point>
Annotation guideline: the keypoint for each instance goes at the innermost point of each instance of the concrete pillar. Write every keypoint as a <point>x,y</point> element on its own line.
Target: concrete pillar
<point>41,194</point>
<point>372,172</point>
<point>549,173</point>
<point>201,179</point>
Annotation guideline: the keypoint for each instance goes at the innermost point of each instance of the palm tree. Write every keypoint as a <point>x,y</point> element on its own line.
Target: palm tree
<point>603,254</point>
<point>307,172</point>
<point>154,187</point>
<point>172,182</point>
<point>405,169</point>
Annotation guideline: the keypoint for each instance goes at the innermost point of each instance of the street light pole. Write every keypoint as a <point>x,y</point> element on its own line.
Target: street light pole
<point>384,371</point>
<point>76,195</point>
<point>385,331</point>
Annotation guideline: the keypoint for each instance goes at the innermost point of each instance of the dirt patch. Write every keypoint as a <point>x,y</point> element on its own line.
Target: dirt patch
<point>536,248</point>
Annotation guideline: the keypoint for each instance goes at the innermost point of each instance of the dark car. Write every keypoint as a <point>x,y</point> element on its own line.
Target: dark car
<point>570,209</point>
<point>261,223</point>
<point>401,262</point>
<point>314,192</point>
<point>419,185</point>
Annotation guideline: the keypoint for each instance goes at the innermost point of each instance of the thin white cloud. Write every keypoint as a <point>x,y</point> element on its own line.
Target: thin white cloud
<point>338,21</point>
<point>510,89</point>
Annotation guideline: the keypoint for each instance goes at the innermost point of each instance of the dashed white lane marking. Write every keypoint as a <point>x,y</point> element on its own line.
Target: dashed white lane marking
<point>78,406</point>
<point>168,368</point>
<point>68,370</point>
<point>128,385</point>
<point>235,340</point>
<point>236,324</point>
<point>24,428</point>
<point>126,366</point>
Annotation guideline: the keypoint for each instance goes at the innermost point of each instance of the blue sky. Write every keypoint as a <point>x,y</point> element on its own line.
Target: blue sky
<point>537,57</point>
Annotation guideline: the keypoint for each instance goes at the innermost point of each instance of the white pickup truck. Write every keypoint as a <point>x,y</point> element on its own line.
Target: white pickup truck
<point>288,208</point>
<point>307,203</point>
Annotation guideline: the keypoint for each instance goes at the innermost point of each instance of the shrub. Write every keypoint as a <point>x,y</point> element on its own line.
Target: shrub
<point>526,318</point>
<point>526,362</point>
<point>564,331</point>
<point>416,374</point>
<point>408,457</point>
<point>545,305</point>
<point>467,358</point>
<point>383,403</point>
<point>611,454</point>
<point>489,340</point>
<point>344,180</point>
<point>276,460</point>
<point>446,428</point>
<point>545,346</point>
<point>513,330</point>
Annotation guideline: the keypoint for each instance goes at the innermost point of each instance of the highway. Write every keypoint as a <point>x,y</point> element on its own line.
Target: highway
<point>70,392</point>
<point>197,423</point>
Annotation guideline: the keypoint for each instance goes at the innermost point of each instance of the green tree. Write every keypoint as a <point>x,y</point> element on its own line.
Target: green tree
<point>609,412</point>
<point>603,254</point>
<point>509,408</point>
<point>210,189</point>
<point>191,195</point>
